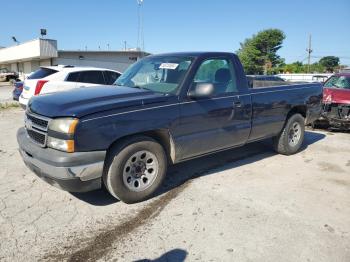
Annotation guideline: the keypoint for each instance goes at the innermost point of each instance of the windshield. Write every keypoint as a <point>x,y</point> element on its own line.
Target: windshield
<point>159,74</point>
<point>339,82</point>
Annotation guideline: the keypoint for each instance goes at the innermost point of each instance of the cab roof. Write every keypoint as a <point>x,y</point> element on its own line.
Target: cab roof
<point>71,68</point>
<point>194,54</point>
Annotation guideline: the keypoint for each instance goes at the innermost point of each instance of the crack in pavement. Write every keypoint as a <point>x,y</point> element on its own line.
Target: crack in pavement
<point>47,210</point>
<point>99,245</point>
<point>26,208</point>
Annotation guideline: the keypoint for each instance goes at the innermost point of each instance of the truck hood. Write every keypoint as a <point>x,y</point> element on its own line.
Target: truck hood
<point>336,95</point>
<point>84,101</point>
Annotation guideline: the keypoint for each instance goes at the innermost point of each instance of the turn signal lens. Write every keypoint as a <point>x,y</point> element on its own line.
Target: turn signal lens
<point>60,144</point>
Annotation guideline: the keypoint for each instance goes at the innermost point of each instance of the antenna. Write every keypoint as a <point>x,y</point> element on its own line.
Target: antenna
<point>309,50</point>
<point>140,37</point>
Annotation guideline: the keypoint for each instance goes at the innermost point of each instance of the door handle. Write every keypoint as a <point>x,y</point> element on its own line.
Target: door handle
<point>237,104</point>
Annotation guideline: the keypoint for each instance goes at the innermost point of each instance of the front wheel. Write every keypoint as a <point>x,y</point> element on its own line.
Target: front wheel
<point>291,138</point>
<point>135,170</point>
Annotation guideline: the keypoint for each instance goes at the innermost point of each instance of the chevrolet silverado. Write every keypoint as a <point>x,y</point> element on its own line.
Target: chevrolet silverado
<point>163,110</point>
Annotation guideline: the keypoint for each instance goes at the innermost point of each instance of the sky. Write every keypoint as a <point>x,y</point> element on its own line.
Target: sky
<point>182,25</point>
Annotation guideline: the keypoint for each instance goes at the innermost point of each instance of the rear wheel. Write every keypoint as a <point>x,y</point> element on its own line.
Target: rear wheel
<point>135,169</point>
<point>291,138</point>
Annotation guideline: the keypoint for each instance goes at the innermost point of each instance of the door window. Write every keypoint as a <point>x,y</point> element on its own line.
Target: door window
<point>220,73</point>
<point>91,77</point>
<point>110,77</point>
<point>73,77</point>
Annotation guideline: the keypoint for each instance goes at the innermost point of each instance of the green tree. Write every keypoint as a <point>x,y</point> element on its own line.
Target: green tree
<point>296,67</point>
<point>299,67</point>
<point>329,62</point>
<point>259,53</point>
<point>315,68</point>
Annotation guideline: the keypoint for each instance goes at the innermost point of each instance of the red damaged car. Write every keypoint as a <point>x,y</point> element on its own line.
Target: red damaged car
<point>336,100</point>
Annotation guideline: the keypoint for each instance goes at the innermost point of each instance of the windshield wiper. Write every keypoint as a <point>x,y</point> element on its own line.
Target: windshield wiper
<point>140,87</point>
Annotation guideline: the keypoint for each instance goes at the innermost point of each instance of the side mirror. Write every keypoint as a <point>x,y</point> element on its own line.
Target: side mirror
<point>202,90</point>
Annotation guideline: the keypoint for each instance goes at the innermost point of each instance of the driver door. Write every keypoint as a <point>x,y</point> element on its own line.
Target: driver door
<point>216,122</point>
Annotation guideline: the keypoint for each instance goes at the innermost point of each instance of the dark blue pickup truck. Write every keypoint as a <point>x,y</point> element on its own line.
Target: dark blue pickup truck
<point>164,109</point>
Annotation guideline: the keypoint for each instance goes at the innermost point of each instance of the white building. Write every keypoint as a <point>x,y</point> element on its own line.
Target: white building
<point>29,56</point>
<point>305,77</point>
<point>346,70</point>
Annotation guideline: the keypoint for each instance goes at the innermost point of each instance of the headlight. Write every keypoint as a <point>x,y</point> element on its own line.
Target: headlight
<point>63,125</point>
<point>63,138</point>
<point>60,144</point>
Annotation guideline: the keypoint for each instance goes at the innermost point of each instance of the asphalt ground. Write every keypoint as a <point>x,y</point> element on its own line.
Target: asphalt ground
<point>5,92</point>
<point>247,204</point>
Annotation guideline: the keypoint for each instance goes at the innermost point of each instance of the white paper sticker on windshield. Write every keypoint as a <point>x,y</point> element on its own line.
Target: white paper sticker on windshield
<point>171,66</point>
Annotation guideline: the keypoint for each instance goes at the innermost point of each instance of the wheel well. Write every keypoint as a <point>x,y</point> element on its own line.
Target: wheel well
<point>297,110</point>
<point>162,136</point>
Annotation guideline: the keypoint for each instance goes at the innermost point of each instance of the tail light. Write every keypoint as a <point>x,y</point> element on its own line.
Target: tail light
<point>39,86</point>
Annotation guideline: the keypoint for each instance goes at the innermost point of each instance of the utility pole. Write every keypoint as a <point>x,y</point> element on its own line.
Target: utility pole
<point>140,37</point>
<point>309,51</point>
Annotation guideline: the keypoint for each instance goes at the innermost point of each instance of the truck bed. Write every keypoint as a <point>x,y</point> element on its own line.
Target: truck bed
<point>269,105</point>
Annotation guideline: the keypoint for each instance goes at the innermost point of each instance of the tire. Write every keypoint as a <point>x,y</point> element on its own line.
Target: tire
<point>135,169</point>
<point>289,141</point>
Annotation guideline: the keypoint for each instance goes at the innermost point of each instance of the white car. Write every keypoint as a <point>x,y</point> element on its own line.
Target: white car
<point>50,79</point>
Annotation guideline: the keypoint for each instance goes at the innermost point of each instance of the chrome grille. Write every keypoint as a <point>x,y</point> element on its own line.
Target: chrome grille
<point>37,137</point>
<point>38,121</point>
<point>36,126</point>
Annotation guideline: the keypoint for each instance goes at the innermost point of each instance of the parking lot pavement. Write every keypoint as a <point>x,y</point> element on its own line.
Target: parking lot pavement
<point>5,92</point>
<point>246,204</point>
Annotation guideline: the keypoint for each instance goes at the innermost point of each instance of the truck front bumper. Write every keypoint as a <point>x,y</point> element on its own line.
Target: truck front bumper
<point>73,172</point>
